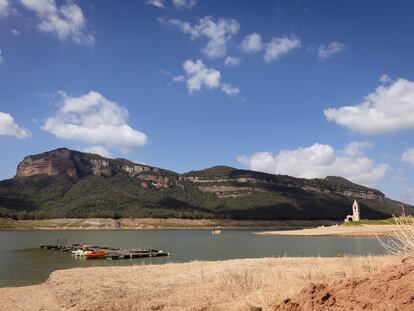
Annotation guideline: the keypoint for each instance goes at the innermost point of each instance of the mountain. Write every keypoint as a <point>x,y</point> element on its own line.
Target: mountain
<point>67,183</point>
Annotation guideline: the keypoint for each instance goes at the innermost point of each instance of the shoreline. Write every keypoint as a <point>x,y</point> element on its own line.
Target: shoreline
<point>7,224</point>
<point>362,230</point>
<point>233,285</point>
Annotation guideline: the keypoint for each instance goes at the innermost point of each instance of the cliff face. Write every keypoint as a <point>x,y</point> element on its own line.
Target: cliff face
<point>60,161</point>
<point>78,164</point>
<point>222,180</point>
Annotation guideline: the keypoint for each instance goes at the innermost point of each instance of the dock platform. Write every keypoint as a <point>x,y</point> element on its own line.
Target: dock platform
<point>111,253</point>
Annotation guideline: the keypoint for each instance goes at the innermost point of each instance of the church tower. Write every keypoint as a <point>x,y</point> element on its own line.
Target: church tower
<point>355,211</point>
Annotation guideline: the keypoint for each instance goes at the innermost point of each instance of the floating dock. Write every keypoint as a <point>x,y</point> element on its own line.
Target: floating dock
<point>111,253</point>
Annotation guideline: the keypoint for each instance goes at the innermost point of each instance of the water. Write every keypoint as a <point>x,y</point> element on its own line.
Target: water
<point>22,262</point>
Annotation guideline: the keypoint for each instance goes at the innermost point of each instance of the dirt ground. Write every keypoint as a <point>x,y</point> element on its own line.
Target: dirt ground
<point>389,290</point>
<point>231,285</point>
<point>337,230</point>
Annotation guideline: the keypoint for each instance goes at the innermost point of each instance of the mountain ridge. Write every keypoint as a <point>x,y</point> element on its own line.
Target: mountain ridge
<point>68,183</point>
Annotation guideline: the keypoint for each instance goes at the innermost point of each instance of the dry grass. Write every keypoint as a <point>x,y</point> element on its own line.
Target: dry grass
<point>227,285</point>
<point>401,242</point>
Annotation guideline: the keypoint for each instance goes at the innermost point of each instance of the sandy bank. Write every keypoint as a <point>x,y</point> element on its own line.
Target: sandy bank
<point>339,230</point>
<point>223,285</point>
<point>152,223</point>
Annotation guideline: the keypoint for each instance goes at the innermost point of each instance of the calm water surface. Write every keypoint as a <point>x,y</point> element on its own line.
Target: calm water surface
<point>22,262</point>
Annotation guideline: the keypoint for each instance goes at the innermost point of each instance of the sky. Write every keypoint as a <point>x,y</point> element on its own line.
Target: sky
<point>303,88</point>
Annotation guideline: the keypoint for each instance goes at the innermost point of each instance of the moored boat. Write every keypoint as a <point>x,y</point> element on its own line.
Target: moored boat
<point>96,254</point>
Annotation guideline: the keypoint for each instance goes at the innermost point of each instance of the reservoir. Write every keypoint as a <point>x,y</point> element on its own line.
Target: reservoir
<point>22,262</point>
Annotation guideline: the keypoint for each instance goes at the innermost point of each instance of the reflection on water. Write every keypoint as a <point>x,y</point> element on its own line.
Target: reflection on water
<point>23,262</point>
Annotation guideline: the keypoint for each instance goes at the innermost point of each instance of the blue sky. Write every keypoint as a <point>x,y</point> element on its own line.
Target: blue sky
<point>303,88</point>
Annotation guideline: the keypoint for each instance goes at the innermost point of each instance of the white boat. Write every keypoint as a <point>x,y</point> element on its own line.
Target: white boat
<point>78,252</point>
<point>216,232</point>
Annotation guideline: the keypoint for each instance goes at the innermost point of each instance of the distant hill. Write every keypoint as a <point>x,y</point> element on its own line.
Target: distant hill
<point>66,183</point>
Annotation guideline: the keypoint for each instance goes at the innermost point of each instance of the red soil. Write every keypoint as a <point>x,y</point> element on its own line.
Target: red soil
<point>389,290</point>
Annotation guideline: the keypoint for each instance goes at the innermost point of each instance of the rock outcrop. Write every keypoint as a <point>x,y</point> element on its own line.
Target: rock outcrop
<point>78,164</point>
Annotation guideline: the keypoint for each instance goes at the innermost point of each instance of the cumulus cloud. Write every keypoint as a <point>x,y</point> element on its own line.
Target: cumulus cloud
<point>157,3</point>
<point>65,21</point>
<point>98,150</point>
<point>328,51</point>
<point>184,4</point>
<point>231,61</point>
<point>278,47</point>
<point>252,43</point>
<point>15,31</point>
<point>319,161</point>
<point>274,50</point>
<point>4,8</point>
<point>10,128</point>
<point>217,32</point>
<point>388,109</point>
<point>94,120</point>
<point>408,156</point>
<point>199,76</point>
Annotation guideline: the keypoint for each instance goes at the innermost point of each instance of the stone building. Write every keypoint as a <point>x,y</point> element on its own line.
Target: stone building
<point>356,214</point>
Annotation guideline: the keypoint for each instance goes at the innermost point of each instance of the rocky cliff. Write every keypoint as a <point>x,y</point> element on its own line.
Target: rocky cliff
<point>66,183</point>
<point>78,164</point>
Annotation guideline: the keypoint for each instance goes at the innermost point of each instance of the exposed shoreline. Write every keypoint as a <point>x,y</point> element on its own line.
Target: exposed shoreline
<point>362,230</point>
<point>154,223</point>
<point>212,285</point>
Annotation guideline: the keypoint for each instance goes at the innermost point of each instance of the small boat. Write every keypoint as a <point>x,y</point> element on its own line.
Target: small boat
<point>216,232</point>
<point>78,252</point>
<point>96,254</point>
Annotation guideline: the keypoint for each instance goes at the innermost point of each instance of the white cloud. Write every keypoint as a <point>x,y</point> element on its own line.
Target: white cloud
<point>230,90</point>
<point>319,161</point>
<point>98,150</point>
<point>15,31</point>
<point>157,3</point>
<point>408,156</point>
<point>4,8</point>
<point>66,21</point>
<point>388,109</point>
<point>385,79</point>
<point>278,47</point>
<point>252,43</point>
<point>231,61</point>
<point>327,51</point>
<point>93,119</point>
<point>199,76</point>
<point>1,58</point>
<point>9,127</point>
<point>184,4</point>
<point>218,33</point>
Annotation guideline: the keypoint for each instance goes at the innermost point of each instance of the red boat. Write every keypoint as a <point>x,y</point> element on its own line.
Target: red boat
<point>96,254</point>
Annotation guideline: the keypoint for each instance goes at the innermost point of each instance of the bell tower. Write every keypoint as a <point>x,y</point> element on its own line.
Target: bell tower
<point>355,211</point>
